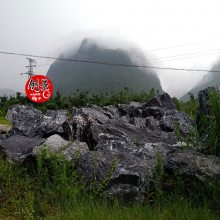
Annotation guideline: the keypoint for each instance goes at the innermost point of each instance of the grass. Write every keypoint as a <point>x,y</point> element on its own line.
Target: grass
<point>181,210</point>
<point>212,125</point>
<point>4,121</point>
<point>49,190</point>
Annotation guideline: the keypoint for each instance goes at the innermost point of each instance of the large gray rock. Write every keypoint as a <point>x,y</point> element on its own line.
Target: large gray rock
<point>17,148</point>
<point>172,118</point>
<point>94,114</point>
<point>163,101</point>
<point>121,175</point>
<point>139,123</point>
<point>204,101</point>
<point>204,112</point>
<point>152,123</point>
<point>125,109</point>
<point>30,122</point>
<point>57,145</point>
<point>192,164</point>
<point>117,147</point>
<point>156,112</point>
<point>110,111</point>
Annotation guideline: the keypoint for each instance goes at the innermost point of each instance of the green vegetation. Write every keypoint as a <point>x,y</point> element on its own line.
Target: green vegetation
<point>78,99</point>
<point>211,125</point>
<point>190,107</point>
<point>49,188</point>
<point>4,121</point>
<point>181,210</point>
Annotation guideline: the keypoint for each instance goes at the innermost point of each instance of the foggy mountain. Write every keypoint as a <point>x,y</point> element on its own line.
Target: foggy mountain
<point>70,76</point>
<point>209,80</point>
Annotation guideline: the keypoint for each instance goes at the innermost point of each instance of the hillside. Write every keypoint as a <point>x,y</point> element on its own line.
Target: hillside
<point>70,76</point>
<point>209,80</point>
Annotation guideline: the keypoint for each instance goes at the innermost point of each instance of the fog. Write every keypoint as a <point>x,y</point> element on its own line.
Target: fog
<point>185,32</point>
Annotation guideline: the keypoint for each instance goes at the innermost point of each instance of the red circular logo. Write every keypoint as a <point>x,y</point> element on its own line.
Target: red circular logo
<point>39,88</point>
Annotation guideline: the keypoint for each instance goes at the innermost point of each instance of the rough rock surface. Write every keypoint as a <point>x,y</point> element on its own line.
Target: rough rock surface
<point>18,147</point>
<point>30,122</point>
<point>163,101</point>
<point>126,176</point>
<point>68,149</point>
<point>203,97</point>
<point>194,164</point>
<point>172,118</point>
<point>204,110</point>
<point>115,146</point>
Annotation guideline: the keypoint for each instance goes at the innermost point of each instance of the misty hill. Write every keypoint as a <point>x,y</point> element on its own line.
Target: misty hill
<point>70,76</point>
<point>7,92</point>
<point>209,80</point>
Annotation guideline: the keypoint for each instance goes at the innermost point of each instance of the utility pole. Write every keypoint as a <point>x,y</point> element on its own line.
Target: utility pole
<point>32,63</point>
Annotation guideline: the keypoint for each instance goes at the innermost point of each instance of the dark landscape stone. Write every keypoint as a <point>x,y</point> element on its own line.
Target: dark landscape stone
<point>17,147</point>
<point>205,168</point>
<point>30,122</point>
<point>57,145</point>
<point>163,101</point>
<point>115,146</point>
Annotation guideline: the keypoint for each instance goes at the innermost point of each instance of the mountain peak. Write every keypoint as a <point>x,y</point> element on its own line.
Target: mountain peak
<point>70,76</point>
<point>88,43</point>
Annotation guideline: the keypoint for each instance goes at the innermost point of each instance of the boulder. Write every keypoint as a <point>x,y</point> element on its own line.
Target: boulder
<point>138,122</point>
<point>30,122</point>
<point>120,175</point>
<point>116,141</point>
<point>204,98</point>
<point>17,148</point>
<point>152,123</point>
<point>125,109</point>
<point>93,114</point>
<point>162,101</point>
<point>110,111</point>
<point>204,109</point>
<point>116,148</point>
<point>195,165</point>
<point>57,145</point>
<point>156,112</point>
<point>172,118</point>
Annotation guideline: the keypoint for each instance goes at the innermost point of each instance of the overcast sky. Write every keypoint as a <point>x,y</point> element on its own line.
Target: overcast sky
<point>48,27</point>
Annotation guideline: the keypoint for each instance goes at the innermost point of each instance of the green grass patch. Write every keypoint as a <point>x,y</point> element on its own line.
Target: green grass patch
<point>49,189</point>
<point>4,121</point>
<point>177,209</point>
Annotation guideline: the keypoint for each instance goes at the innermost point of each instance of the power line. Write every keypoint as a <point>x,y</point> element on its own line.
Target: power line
<point>187,54</point>
<point>182,58</point>
<point>178,57</point>
<point>181,45</point>
<point>107,63</point>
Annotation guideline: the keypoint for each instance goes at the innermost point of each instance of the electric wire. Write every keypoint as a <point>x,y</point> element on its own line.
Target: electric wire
<point>108,63</point>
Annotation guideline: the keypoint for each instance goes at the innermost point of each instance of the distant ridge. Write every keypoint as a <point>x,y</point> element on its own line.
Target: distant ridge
<point>209,80</point>
<point>69,76</point>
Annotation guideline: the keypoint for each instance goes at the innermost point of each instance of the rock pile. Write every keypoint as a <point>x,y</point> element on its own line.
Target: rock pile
<point>124,139</point>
